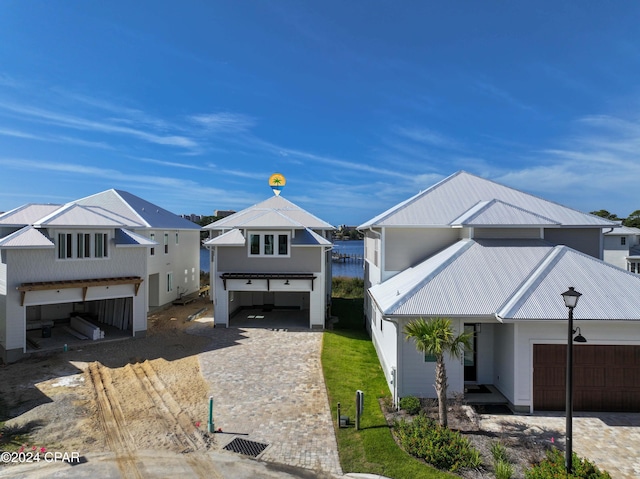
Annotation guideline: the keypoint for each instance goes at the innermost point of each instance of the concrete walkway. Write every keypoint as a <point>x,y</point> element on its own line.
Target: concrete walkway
<point>610,440</point>
<point>268,387</point>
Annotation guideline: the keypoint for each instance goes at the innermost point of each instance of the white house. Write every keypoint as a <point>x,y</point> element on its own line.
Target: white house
<point>622,248</point>
<point>93,258</point>
<point>273,254</point>
<point>173,267</point>
<point>495,260</point>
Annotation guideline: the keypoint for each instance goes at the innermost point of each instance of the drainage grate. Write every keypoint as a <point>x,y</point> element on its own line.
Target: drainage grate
<point>248,448</point>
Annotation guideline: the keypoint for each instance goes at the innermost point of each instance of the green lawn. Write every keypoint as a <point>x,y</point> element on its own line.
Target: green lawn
<point>350,363</point>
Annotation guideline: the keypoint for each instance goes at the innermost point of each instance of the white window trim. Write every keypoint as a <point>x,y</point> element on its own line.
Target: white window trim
<point>72,235</point>
<point>276,243</point>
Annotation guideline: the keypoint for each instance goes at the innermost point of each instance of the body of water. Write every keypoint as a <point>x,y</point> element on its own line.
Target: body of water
<point>353,269</point>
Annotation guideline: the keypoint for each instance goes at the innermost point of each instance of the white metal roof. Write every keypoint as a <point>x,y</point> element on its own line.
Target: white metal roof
<point>499,213</point>
<point>623,231</point>
<point>511,279</point>
<point>26,214</point>
<point>137,210</point>
<point>445,202</point>
<point>233,237</point>
<point>27,237</point>
<point>275,212</point>
<point>77,216</point>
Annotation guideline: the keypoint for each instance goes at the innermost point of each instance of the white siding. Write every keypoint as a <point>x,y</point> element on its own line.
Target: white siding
<point>616,253</point>
<point>183,260</point>
<point>417,377</point>
<point>406,247</point>
<point>385,340</point>
<point>503,358</point>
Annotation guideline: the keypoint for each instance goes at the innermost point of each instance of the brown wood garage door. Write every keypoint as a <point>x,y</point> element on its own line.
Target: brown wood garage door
<point>605,378</point>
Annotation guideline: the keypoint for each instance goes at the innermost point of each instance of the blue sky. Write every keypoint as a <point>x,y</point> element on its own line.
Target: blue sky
<point>360,104</point>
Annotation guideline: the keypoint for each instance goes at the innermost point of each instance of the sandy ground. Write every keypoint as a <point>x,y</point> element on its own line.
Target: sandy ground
<point>120,396</point>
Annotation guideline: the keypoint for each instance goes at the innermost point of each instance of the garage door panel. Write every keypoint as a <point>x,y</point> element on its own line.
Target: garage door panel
<point>605,377</point>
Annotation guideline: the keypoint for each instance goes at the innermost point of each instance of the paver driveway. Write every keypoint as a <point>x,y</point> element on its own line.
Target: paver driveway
<point>268,387</point>
<point>610,440</point>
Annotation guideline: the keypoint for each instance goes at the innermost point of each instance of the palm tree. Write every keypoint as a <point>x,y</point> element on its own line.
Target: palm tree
<point>436,337</point>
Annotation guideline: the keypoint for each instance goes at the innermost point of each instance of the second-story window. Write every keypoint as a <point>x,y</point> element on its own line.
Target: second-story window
<point>269,244</point>
<point>82,245</point>
<point>623,240</point>
<point>101,245</point>
<point>152,237</point>
<point>166,243</point>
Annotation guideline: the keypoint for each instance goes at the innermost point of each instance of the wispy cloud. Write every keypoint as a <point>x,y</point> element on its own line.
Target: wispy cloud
<point>174,164</point>
<point>428,136</point>
<point>85,124</point>
<point>223,122</point>
<point>54,139</point>
<point>503,95</point>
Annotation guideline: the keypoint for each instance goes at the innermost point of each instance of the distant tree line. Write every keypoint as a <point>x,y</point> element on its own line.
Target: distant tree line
<point>204,221</point>
<point>632,221</point>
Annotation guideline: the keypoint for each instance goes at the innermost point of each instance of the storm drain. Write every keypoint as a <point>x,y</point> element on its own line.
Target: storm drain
<point>248,448</point>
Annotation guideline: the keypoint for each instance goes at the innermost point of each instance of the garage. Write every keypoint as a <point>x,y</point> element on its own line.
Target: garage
<point>605,377</point>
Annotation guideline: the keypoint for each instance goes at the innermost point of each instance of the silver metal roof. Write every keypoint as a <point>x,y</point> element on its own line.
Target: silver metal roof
<point>275,212</point>
<point>77,216</point>
<point>499,213</point>
<point>306,237</point>
<point>445,202</point>
<point>129,238</point>
<point>623,231</point>
<point>510,279</point>
<point>27,237</point>
<point>26,214</point>
<point>233,237</point>
<point>137,210</point>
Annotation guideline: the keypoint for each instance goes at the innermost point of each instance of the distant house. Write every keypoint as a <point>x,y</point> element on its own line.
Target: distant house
<point>108,257</point>
<point>273,254</point>
<point>495,260</point>
<point>173,265</point>
<point>622,248</point>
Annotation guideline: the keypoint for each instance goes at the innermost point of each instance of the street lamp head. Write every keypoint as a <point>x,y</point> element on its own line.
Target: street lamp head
<point>571,297</point>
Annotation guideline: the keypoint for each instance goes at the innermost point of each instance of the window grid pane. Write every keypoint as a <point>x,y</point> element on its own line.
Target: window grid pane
<point>283,244</point>
<point>268,244</point>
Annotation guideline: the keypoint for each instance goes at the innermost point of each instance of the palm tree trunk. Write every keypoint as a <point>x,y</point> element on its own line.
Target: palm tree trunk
<point>441,390</point>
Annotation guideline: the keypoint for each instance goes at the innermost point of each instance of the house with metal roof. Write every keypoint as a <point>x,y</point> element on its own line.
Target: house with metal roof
<point>622,248</point>
<point>96,259</point>
<point>272,255</point>
<point>496,260</point>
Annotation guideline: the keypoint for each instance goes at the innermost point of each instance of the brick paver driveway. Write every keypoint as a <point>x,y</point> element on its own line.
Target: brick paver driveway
<point>268,387</point>
<point>611,440</point>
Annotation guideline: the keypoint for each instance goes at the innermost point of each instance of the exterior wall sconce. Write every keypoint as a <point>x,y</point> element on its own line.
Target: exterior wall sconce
<point>286,282</point>
<point>249,281</point>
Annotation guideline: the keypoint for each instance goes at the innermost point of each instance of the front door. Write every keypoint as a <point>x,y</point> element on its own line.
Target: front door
<point>470,356</point>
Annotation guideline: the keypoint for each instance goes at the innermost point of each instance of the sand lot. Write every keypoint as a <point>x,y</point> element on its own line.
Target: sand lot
<point>122,396</point>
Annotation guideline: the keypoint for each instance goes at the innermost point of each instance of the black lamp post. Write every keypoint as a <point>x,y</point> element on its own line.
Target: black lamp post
<point>570,300</point>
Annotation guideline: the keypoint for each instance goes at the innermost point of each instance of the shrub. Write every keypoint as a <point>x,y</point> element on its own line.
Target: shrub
<point>504,470</point>
<point>499,452</point>
<point>553,466</point>
<point>346,287</point>
<point>411,404</point>
<point>441,447</point>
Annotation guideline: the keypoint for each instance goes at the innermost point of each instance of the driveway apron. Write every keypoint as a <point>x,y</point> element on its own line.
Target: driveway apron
<point>268,387</point>
<point>610,440</point>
